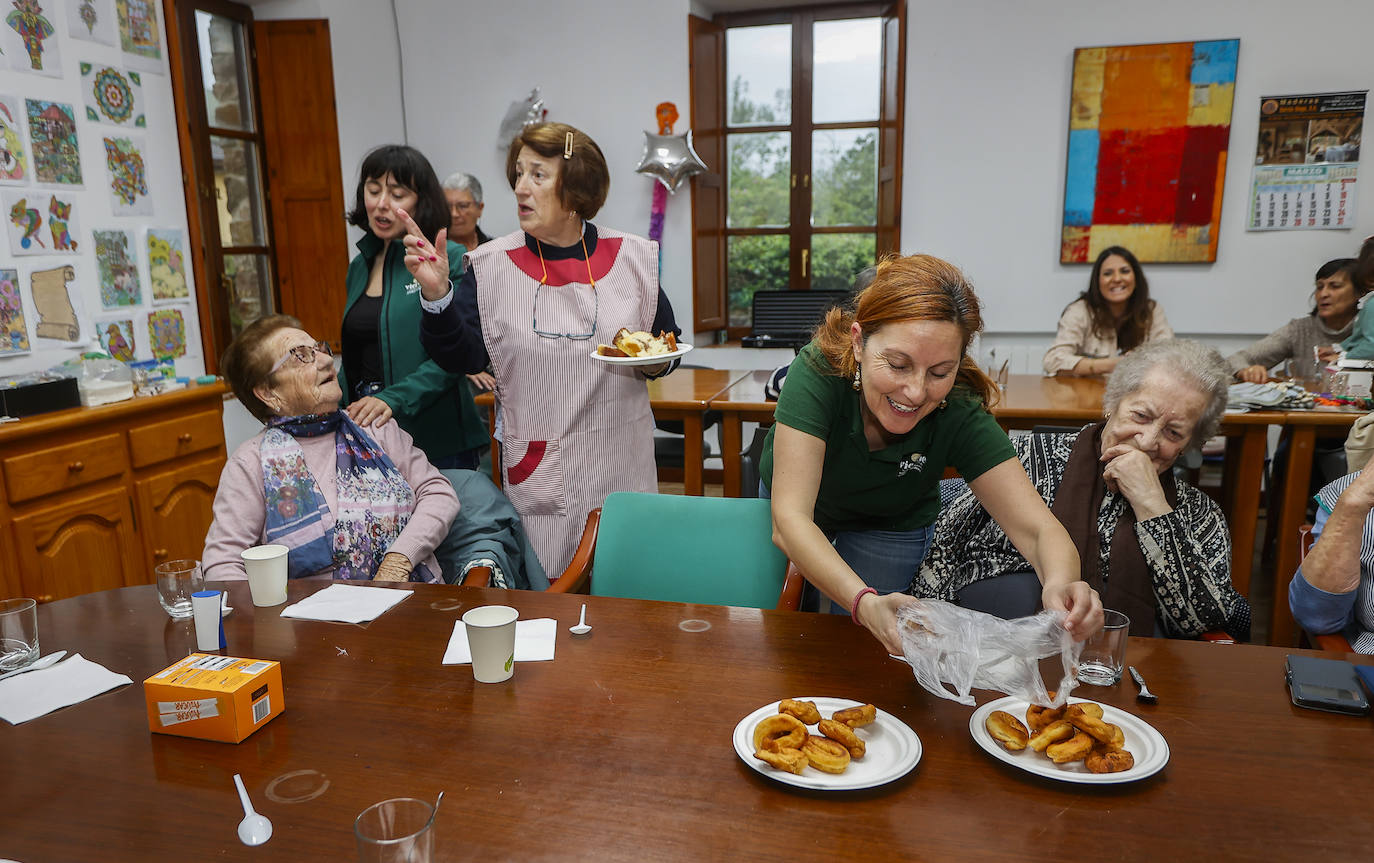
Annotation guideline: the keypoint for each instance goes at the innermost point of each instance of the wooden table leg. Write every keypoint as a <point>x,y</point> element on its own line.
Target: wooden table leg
<point>1292,511</point>
<point>1245,470</point>
<point>693,468</point>
<point>731,439</point>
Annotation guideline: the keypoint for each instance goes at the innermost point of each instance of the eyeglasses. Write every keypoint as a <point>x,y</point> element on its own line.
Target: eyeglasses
<point>304,353</point>
<point>596,309</point>
<point>464,206</point>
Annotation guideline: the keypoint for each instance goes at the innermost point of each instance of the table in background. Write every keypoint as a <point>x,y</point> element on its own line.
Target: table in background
<point>681,396</point>
<point>620,748</point>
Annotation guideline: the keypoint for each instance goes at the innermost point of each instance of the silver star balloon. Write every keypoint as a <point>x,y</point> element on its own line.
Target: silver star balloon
<point>670,159</point>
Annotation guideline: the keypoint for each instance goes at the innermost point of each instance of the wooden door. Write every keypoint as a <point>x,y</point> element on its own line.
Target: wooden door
<point>79,546</point>
<point>304,179</point>
<point>175,509</point>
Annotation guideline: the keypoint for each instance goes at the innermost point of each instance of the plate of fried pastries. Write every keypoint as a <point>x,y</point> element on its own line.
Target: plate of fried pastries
<point>640,348</point>
<point>1083,742</point>
<point>829,744</point>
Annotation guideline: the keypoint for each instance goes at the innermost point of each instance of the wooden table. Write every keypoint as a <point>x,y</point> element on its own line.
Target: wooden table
<point>619,749</point>
<point>681,396</point>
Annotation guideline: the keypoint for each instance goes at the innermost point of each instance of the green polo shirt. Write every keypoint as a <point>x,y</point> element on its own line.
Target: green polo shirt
<point>894,488</point>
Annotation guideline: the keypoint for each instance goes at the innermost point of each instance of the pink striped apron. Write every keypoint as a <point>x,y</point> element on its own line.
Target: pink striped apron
<point>573,429</point>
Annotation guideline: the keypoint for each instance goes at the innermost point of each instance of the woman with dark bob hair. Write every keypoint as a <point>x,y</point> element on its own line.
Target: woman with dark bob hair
<point>386,371</point>
<point>349,502</point>
<point>876,406</point>
<point>1114,315</point>
<point>1308,341</point>
<point>533,305</point>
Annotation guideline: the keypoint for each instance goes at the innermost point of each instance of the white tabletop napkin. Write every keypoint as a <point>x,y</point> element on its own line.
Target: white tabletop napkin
<point>534,641</point>
<point>30,695</point>
<point>346,603</point>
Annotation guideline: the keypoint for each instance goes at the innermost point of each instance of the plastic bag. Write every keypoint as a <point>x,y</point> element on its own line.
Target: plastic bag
<point>966,649</point>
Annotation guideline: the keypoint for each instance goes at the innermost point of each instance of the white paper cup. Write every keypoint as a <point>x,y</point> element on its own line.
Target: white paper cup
<point>491,640</point>
<point>266,568</point>
<point>205,605</point>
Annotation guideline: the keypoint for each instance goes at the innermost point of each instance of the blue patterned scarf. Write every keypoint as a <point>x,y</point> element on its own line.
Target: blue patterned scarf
<point>373,506</point>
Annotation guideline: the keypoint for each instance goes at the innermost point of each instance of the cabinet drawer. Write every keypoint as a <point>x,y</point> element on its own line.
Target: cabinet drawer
<point>174,438</point>
<point>46,471</point>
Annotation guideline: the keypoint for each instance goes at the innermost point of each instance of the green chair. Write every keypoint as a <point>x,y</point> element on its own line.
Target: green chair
<point>682,548</point>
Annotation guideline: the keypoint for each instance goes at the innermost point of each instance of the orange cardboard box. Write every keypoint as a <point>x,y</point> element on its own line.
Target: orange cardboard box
<point>214,697</point>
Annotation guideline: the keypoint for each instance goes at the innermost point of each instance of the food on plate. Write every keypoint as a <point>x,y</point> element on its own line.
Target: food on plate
<point>856,717</point>
<point>1056,731</point>
<point>639,344</point>
<point>843,735</point>
<point>1089,708</point>
<point>1075,748</point>
<point>1037,717</point>
<point>1007,730</point>
<point>1081,719</point>
<point>1118,740</point>
<point>779,732</point>
<point>825,754</point>
<point>804,710</point>
<point>1109,761</point>
<point>791,760</point>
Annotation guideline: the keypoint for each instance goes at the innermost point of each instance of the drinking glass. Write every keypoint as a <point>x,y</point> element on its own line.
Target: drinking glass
<point>18,633</point>
<point>176,581</point>
<point>399,830</point>
<point>1104,655</point>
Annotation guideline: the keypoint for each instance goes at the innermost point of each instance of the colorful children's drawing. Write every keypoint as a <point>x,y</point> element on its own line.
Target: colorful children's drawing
<point>14,165</point>
<point>35,32</point>
<point>167,333</point>
<point>14,331</point>
<point>52,133</point>
<point>112,95</point>
<point>59,316</point>
<point>128,177</point>
<point>166,265</point>
<point>61,224</point>
<point>118,271</point>
<point>117,338</point>
<point>91,20</point>
<point>29,222</point>
<point>138,32</point>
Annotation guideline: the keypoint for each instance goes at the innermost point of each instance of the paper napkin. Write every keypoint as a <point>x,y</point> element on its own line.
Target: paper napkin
<point>346,603</point>
<point>534,640</point>
<point>34,693</point>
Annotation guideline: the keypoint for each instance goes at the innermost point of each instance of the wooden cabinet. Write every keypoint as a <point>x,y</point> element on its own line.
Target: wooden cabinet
<point>94,498</point>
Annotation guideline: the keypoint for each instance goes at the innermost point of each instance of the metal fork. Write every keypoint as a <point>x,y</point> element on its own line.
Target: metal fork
<point>1145,694</point>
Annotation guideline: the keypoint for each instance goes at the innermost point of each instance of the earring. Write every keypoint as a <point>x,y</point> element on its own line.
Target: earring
<point>944,403</point>
<point>857,385</point>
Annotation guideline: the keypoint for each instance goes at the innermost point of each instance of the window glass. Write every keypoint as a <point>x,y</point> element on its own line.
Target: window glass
<point>248,291</point>
<point>756,263</point>
<point>837,258</point>
<point>844,177</point>
<point>847,71</point>
<point>238,200</point>
<point>222,67</point>
<point>758,69</point>
<point>759,172</point>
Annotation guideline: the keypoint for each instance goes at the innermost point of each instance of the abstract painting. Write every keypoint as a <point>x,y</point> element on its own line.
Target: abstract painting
<point>166,264</point>
<point>128,177</point>
<point>32,47</point>
<point>167,334</point>
<point>1148,133</point>
<point>14,165</point>
<point>91,20</point>
<point>112,95</point>
<point>14,331</point>
<point>114,261</point>
<point>52,135</point>
<point>117,337</point>
<point>138,33</point>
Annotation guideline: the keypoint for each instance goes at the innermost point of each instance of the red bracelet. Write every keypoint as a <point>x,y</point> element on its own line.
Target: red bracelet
<point>854,606</point>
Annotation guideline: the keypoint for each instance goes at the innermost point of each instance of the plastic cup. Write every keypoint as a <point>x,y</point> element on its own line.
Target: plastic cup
<point>400,830</point>
<point>266,568</point>
<point>176,581</point>
<point>491,640</point>
<point>1104,655</point>
<point>18,633</point>
<point>206,605</point>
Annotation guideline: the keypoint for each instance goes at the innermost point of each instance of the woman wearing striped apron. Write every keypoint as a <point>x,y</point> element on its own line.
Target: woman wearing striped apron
<point>535,304</point>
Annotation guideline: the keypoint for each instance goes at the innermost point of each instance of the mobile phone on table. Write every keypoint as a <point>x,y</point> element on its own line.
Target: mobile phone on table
<point>1325,684</point>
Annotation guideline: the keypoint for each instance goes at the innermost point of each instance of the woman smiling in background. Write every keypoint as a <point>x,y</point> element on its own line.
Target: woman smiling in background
<point>1114,315</point>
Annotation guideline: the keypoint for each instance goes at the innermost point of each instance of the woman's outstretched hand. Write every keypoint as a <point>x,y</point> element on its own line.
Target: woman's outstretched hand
<point>427,263</point>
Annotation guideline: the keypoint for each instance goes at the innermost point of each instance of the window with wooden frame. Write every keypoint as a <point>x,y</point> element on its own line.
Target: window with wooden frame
<point>798,113</point>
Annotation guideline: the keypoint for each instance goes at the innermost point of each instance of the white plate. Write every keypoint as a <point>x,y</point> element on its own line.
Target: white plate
<point>1147,745</point>
<point>891,750</point>
<point>682,348</point>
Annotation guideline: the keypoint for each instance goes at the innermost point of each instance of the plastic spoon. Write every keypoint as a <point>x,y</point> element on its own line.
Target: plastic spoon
<point>254,829</point>
<point>36,666</point>
<point>582,628</point>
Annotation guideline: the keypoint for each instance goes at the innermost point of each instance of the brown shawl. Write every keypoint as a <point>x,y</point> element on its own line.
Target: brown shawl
<point>1130,588</point>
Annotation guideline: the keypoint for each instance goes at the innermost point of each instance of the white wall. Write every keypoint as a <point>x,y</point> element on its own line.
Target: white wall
<point>987,105</point>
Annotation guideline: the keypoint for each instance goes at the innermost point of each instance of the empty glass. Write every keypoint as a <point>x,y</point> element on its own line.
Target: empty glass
<point>176,581</point>
<point>1104,654</point>
<point>18,633</point>
<point>399,830</point>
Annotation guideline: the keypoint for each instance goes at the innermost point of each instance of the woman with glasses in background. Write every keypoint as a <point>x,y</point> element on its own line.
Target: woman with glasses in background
<point>349,502</point>
<point>534,305</point>
<point>385,371</point>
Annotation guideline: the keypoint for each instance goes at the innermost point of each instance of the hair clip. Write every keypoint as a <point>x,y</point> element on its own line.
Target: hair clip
<point>567,146</point>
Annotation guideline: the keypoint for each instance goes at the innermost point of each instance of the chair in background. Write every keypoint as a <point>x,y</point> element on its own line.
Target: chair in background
<point>1334,641</point>
<point>678,548</point>
<point>787,319</point>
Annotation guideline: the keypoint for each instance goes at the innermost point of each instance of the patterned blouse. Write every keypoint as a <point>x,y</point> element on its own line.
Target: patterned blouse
<point>1189,549</point>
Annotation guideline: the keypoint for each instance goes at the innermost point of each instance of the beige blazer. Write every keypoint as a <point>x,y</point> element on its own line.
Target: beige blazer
<point>1076,339</point>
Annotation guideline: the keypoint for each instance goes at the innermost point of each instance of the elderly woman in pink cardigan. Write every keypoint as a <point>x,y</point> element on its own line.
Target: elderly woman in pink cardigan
<point>349,502</point>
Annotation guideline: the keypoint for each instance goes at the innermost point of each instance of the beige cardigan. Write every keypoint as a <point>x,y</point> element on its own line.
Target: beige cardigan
<point>1076,339</point>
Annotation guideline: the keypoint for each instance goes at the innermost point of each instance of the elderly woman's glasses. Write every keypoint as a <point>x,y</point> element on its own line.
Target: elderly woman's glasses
<point>304,353</point>
<point>577,337</point>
